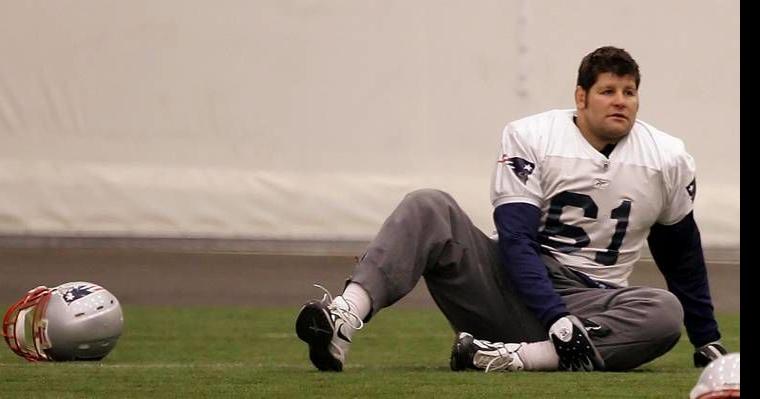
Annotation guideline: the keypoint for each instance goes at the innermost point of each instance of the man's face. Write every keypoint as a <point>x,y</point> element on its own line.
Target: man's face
<point>609,108</point>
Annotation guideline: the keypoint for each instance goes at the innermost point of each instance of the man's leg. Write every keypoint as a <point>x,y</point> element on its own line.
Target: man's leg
<point>644,323</point>
<point>426,235</point>
<point>628,326</point>
<point>638,324</point>
<point>429,235</point>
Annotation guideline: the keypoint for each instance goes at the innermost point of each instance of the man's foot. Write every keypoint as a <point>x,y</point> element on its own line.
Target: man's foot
<point>470,353</point>
<point>324,325</point>
<point>462,352</point>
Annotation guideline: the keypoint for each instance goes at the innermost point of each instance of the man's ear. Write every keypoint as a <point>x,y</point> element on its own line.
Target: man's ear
<point>580,98</point>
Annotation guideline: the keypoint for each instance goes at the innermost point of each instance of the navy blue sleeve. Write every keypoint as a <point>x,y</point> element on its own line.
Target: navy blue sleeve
<point>517,225</point>
<point>677,251</point>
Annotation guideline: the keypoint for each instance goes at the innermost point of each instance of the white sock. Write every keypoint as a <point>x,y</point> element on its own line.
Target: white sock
<point>539,356</point>
<point>358,300</point>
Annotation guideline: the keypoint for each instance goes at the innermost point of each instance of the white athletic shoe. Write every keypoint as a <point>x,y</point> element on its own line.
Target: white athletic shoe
<point>324,324</point>
<point>471,353</point>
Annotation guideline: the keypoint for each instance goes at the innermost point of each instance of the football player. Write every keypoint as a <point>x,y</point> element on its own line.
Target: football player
<point>576,193</point>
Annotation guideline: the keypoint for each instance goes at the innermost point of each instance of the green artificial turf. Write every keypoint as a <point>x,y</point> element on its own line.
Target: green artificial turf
<point>168,352</point>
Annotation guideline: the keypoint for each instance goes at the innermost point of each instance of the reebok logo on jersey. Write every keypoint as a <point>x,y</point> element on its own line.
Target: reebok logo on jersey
<point>692,189</point>
<point>521,167</point>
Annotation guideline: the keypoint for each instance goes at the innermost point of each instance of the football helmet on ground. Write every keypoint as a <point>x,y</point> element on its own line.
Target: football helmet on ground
<point>73,321</point>
<point>719,380</point>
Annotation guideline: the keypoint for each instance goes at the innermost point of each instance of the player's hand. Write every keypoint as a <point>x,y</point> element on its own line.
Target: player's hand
<point>707,353</point>
<point>575,350</point>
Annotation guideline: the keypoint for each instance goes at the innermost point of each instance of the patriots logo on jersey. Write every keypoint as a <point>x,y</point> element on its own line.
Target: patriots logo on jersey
<point>74,293</point>
<point>692,189</point>
<point>522,168</point>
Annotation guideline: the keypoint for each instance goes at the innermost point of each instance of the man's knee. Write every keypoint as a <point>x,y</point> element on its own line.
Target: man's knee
<point>430,198</point>
<point>657,327</point>
<point>669,316</point>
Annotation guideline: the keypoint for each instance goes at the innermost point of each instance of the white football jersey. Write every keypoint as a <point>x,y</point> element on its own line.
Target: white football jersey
<point>596,211</point>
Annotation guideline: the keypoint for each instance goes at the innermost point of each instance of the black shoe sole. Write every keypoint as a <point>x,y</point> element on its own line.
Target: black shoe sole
<point>460,358</point>
<point>313,327</point>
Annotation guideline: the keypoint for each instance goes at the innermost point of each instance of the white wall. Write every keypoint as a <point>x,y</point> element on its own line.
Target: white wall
<point>311,118</point>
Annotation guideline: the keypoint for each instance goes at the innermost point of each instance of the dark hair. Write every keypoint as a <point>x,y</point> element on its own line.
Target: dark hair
<point>606,59</point>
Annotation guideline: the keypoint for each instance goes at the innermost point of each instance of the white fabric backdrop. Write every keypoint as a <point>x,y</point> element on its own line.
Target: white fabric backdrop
<point>310,119</point>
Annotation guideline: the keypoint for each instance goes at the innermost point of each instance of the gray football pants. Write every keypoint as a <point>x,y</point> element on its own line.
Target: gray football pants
<point>429,236</point>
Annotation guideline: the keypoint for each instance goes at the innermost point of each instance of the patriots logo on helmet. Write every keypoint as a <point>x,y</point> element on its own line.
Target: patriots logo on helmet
<point>692,189</point>
<point>74,293</point>
<point>522,168</point>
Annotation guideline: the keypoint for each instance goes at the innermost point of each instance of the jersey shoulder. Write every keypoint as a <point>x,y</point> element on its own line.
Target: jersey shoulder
<point>659,145</point>
<point>539,130</point>
<point>542,122</point>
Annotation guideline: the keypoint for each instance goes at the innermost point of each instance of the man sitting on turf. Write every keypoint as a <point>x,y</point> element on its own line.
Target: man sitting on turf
<point>575,195</point>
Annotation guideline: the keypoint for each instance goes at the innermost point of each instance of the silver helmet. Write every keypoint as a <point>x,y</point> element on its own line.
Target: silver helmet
<point>73,321</point>
<point>719,380</point>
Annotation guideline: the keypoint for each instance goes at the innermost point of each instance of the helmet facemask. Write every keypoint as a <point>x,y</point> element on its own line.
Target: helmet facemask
<point>25,326</point>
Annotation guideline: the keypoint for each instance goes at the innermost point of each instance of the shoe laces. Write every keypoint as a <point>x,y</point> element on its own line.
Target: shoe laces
<point>503,361</point>
<point>347,315</point>
<point>502,358</point>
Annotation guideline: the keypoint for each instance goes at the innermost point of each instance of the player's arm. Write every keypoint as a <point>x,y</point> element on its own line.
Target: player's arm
<point>676,247</point>
<point>677,251</point>
<point>516,195</point>
<point>517,224</point>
